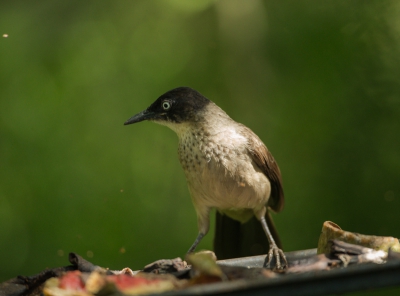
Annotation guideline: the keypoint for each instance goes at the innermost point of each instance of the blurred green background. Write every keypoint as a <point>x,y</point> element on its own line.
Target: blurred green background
<point>318,81</point>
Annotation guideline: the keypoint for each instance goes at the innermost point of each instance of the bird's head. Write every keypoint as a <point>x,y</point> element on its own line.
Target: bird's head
<point>180,105</point>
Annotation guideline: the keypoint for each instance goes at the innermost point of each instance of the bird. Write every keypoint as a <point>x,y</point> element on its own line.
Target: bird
<point>226,165</point>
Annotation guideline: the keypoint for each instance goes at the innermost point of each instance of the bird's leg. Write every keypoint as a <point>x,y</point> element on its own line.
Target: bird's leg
<point>274,251</point>
<point>196,242</point>
<point>203,223</point>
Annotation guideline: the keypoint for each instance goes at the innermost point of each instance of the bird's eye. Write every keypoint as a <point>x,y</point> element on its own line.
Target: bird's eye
<point>166,105</point>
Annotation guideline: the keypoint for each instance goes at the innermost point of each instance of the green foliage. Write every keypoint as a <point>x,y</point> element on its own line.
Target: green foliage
<point>318,81</point>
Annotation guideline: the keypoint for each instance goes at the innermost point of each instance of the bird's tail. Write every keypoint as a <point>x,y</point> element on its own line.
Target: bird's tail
<point>233,239</point>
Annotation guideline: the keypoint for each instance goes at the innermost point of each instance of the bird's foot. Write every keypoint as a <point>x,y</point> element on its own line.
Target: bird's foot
<point>279,263</point>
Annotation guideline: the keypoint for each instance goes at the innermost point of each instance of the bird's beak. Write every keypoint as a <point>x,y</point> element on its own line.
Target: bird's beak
<point>144,115</point>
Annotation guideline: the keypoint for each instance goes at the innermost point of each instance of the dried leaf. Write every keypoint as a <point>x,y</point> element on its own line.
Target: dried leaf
<point>331,231</point>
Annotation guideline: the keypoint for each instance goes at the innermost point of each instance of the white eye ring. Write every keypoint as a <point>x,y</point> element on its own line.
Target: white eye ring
<point>166,105</point>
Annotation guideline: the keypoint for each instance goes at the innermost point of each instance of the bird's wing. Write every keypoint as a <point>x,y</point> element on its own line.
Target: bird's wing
<point>266,162</point>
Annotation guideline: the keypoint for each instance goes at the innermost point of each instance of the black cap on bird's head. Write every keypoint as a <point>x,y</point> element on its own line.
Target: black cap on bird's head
<point>178,105</point>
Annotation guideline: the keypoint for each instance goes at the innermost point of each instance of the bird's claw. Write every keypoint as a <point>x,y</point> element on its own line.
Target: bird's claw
<point>280,259</point>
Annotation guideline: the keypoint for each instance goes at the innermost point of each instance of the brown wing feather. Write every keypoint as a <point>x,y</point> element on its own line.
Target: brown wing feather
<point>266,162</point>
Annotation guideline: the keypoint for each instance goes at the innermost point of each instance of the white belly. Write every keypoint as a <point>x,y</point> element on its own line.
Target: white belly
<point>223,178</point>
